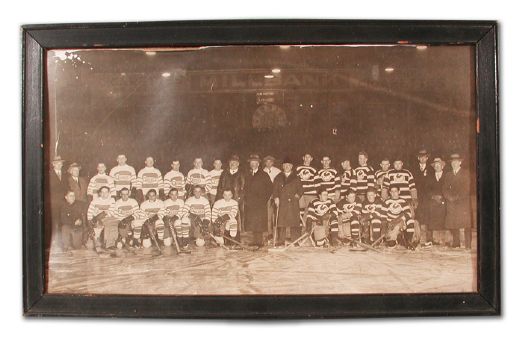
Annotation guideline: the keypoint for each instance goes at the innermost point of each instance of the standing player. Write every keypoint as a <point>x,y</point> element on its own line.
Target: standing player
<point>99,180</point>
<point>173,209</point>
<point>149,226</point>
<point>124,176</point>
<point>322,216</point>
<point>224,215</point>
<point>403,179</point>
<point>149,178</point>
<point>126,209</point>
<point>197,213</point>
<point>214,179</point>
<point>348,178</point>
<point>328,179</point>
<point>365,177</point>
<point>372,215</point>
<point>175,179</point>
<point>349,211</point>
<point>397,210</point>
<point>306,174</point>
<point>197,176</point>
<point>381,174</point>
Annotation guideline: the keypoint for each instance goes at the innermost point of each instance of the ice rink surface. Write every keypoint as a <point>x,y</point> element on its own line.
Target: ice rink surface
<point>307,270</point>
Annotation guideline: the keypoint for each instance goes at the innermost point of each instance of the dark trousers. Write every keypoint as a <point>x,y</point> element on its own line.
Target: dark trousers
<point>456,238</point>
<point>289,234</point>
<point>71,236</point>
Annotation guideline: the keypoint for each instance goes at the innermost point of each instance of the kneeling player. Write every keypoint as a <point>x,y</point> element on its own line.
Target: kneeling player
<point>349,212</point>
<point>223,217</point>
<point>103,225</point>
<point>150,226</point>
<point>322,218</point>
<point>197,213</point>
<point>399,219</point>
<point>372,215</point>
<point>173,207</point>
<point>126,209</point>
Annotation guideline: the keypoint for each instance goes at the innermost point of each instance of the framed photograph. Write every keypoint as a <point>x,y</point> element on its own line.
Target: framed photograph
<point>261,169</point>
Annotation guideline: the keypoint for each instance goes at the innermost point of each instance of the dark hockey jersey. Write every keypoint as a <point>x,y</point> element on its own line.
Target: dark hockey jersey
<point>393,208</point>
<point>373,210</point>
<point>348,181</point>
<point>307,176</point>
<point>328,178</point>
<point>403,179</point>
<point>317,209</point>
<point>380,176</point>
<point>349,211</point>
<point>365,177</point>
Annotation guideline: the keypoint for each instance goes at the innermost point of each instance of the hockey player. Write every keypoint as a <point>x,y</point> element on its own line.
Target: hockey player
<point>214,179</point>
<point>223,217</point>
<point>126,209</point>
<point>349,211</point>
<point>328,178</point>
<point>372,215</point>
<point>399,219</point>
<point>403,179</point>
<point>306,174</point>
<point>173,209</point>
<point>381,174</point>
<point>99,180</point>
<point>365,177</point>
<point>100,215</point>
<point>124,176</point>
<point>149,178</point>
<point>150,227</point>
<point>197,176</point>
<point>197,213</point>
<point>175,179</point>
<point>348,178</point>
<point>322,217</point>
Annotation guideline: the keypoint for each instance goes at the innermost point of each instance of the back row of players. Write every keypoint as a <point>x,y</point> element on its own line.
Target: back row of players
<point>139,209</point>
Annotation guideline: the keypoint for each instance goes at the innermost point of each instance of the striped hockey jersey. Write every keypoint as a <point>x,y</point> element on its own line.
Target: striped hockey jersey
<point>373,210</point>
<point>198,177</point>
<point>307,176</point>
<point>175,179</point>
<point>173,208</point>
<point>380,176</point>
<point>99,205</point>
<point>348,181</point>
<point>317,209</point>
<point>149,208</point>
<point>394,207</point>
<point>214,179</point>
<point>98,181</point>
<point>222,207</point>
<point>403,179</point>
<point>349,211</point>
<point>149,178</point>
<point>199,207</point>
<point>328,179</point>
<point>126,208</point>
<point>124,177</point>
<point>365,178</point>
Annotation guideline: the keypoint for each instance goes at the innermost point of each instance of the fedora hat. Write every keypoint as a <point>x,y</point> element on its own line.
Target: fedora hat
<point>269,157</point>
<point>57,158</point>
<point>234,157</point>
<point>438,160</point>
<point>455,156</point>
<point>254,157</point>
<point>74,165</point>
<point>422,152</point>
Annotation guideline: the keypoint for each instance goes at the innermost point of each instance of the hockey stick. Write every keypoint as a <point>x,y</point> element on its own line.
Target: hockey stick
<point>217,243</point>
<point>175,240</point>
<point>283,249</point>
<point>363,245</point>
<point>153,238</point>
<point>245,247</point>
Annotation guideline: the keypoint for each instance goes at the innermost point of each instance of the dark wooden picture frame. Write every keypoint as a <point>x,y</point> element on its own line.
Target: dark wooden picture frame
<point>37,39</point>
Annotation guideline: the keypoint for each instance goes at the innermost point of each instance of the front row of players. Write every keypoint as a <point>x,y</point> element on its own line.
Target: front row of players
<point>123,223</point>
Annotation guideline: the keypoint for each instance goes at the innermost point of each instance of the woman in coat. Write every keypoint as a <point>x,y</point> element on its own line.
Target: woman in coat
<point>287,191</point>
<point>456,190</point>
<point>434,201</point>
<point>257,191</point>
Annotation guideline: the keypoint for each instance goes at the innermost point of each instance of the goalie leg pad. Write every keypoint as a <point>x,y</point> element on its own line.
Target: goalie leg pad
<point>355,229</point>
<point>376,226</point>
<point>168,241</point>
<point>159,229</point>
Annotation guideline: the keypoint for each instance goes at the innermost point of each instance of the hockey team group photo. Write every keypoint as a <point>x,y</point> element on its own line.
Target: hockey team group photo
<point>261,170</point>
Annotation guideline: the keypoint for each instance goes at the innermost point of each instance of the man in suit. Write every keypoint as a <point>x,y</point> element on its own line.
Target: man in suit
<point>233,178</point>
<point>421,173</point>
<point>76,183</point>
<point>56,189</point>
<point>456,191</point>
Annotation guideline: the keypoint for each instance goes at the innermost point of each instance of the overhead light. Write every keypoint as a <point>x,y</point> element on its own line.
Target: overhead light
<point>166,74</point>
<point>276,70</point>
<point>421,47</point>
<point>389,69</point>
<point>284,47</point>
<point>269,76</point>
<point>151,53</point>
<point>123,74</point>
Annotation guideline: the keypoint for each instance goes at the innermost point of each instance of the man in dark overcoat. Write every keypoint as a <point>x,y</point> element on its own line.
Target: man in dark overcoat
<point>76,183</point>
<point>287,191</point>
<point>456,190</point>
<point>421,173</point>
<point>233,178</point>
<point>57,186</point>
<point>434,201</point>
<point>257,191</point>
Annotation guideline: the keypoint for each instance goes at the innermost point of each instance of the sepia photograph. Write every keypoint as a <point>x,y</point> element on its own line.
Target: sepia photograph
<point>280,169</point>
